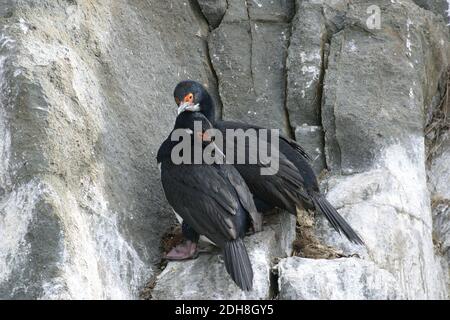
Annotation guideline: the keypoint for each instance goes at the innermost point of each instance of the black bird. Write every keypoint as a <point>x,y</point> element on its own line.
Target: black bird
<point>213,201</point>
<point>295,183</point>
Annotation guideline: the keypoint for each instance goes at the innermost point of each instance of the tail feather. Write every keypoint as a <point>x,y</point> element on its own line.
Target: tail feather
<point>336,220</point>
<point>238,264</point>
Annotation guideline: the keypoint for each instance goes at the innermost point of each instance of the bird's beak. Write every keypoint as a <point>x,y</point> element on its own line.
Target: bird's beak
<point>186,106</point>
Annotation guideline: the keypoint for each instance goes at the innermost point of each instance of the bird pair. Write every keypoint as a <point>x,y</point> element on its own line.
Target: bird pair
<point>222,201</point>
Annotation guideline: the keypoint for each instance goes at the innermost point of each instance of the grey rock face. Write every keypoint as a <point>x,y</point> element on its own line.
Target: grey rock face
<point>213,10</point>
<point>439,7</point>
<point>404,93</point>
<point>356,279</point>
<point>86,100</point>
<point>438,177</point>
<point>305,65</point>
<point>248,53</point>
<point>259,10</point>
<point>271,10</point>
<point>375,94</point>
<point>400,211</point>
<point>441,223</point>
<point>206,277</point>
<point>311,139</point>
<point>439,172</point>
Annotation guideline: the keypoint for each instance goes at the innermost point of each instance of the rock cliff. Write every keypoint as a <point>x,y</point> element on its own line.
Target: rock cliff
<point>86,99</point>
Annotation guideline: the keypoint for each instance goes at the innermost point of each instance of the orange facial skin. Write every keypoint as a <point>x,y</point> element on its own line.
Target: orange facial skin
<point>203,136</point>
<point>189,98</point>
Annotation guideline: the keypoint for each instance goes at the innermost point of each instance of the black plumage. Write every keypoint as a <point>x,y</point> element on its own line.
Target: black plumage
<point>213,201</point>
<point>295,183</point>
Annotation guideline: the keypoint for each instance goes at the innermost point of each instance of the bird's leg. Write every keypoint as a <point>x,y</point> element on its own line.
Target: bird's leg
<point>184,251</point>
<point>188,249</point>
<point>250,230</point>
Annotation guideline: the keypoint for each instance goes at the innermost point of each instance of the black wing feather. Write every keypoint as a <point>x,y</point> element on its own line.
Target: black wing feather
<point>192,192</point>
<point>335,219</point>
<point>244,195</point>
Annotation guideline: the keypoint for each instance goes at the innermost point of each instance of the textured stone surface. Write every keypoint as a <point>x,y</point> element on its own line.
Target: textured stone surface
<point>213,10</point>
<point>86,99</point>
<point>375,94</point>
<point>441,224</point>
<point>359,110</point>
<point>439,173</point>
<point>311,139</point>
<point>304,65</point>
<point>249,59</point>
<point>206,277</point>
<point>391,209</point>
<point>438,178</point>
<point>271,10</point>
<point>306,62</point>
<point>439,7</point>
<point>340,279</point>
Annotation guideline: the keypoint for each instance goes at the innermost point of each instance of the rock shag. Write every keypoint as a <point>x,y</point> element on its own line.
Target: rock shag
<point>213,200</point>
<point>294,185</point>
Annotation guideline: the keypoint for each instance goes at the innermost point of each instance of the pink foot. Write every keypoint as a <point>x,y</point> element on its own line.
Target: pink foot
<point>184,251</point>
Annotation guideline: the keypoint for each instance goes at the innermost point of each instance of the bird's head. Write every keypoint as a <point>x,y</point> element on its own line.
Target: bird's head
<point>192,96</point>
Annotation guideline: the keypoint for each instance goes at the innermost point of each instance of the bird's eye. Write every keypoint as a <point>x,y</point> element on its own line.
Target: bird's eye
<point>189,98</point>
